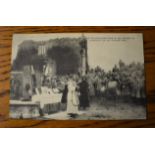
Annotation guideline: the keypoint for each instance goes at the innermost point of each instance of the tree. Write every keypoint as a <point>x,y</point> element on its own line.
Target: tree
<point>27,51</point>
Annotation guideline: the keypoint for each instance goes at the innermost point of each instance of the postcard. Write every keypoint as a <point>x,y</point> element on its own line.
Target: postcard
<point>78,76</point>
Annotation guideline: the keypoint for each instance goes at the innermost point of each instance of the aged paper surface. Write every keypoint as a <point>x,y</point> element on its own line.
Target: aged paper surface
<point>95,76</point>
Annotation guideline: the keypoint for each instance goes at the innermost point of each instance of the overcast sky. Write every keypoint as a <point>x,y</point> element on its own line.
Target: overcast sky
<point>104,49</point>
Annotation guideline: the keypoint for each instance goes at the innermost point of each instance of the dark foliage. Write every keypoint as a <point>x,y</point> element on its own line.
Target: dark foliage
<point>25,56</point>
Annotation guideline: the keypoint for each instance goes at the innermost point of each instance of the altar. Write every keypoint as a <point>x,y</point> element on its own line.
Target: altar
<point>40,105</point>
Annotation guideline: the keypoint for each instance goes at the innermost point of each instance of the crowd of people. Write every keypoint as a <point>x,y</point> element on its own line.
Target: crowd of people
<point>122,80</point>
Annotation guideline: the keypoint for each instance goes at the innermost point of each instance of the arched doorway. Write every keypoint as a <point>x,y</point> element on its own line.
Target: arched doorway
<point>67,59</point>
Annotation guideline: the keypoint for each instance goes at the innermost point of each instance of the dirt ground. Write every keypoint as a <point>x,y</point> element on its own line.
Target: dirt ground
<point>110,111</point>
<point>105,110</point>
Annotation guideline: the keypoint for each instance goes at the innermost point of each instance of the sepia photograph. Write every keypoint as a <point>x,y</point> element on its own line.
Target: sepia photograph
<point>78,76</point>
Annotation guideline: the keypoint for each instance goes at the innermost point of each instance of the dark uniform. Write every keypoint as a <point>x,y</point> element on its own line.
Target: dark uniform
<point>84,94</point>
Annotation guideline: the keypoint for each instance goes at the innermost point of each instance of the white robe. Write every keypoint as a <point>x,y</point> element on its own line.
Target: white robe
<point>72,98</point>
